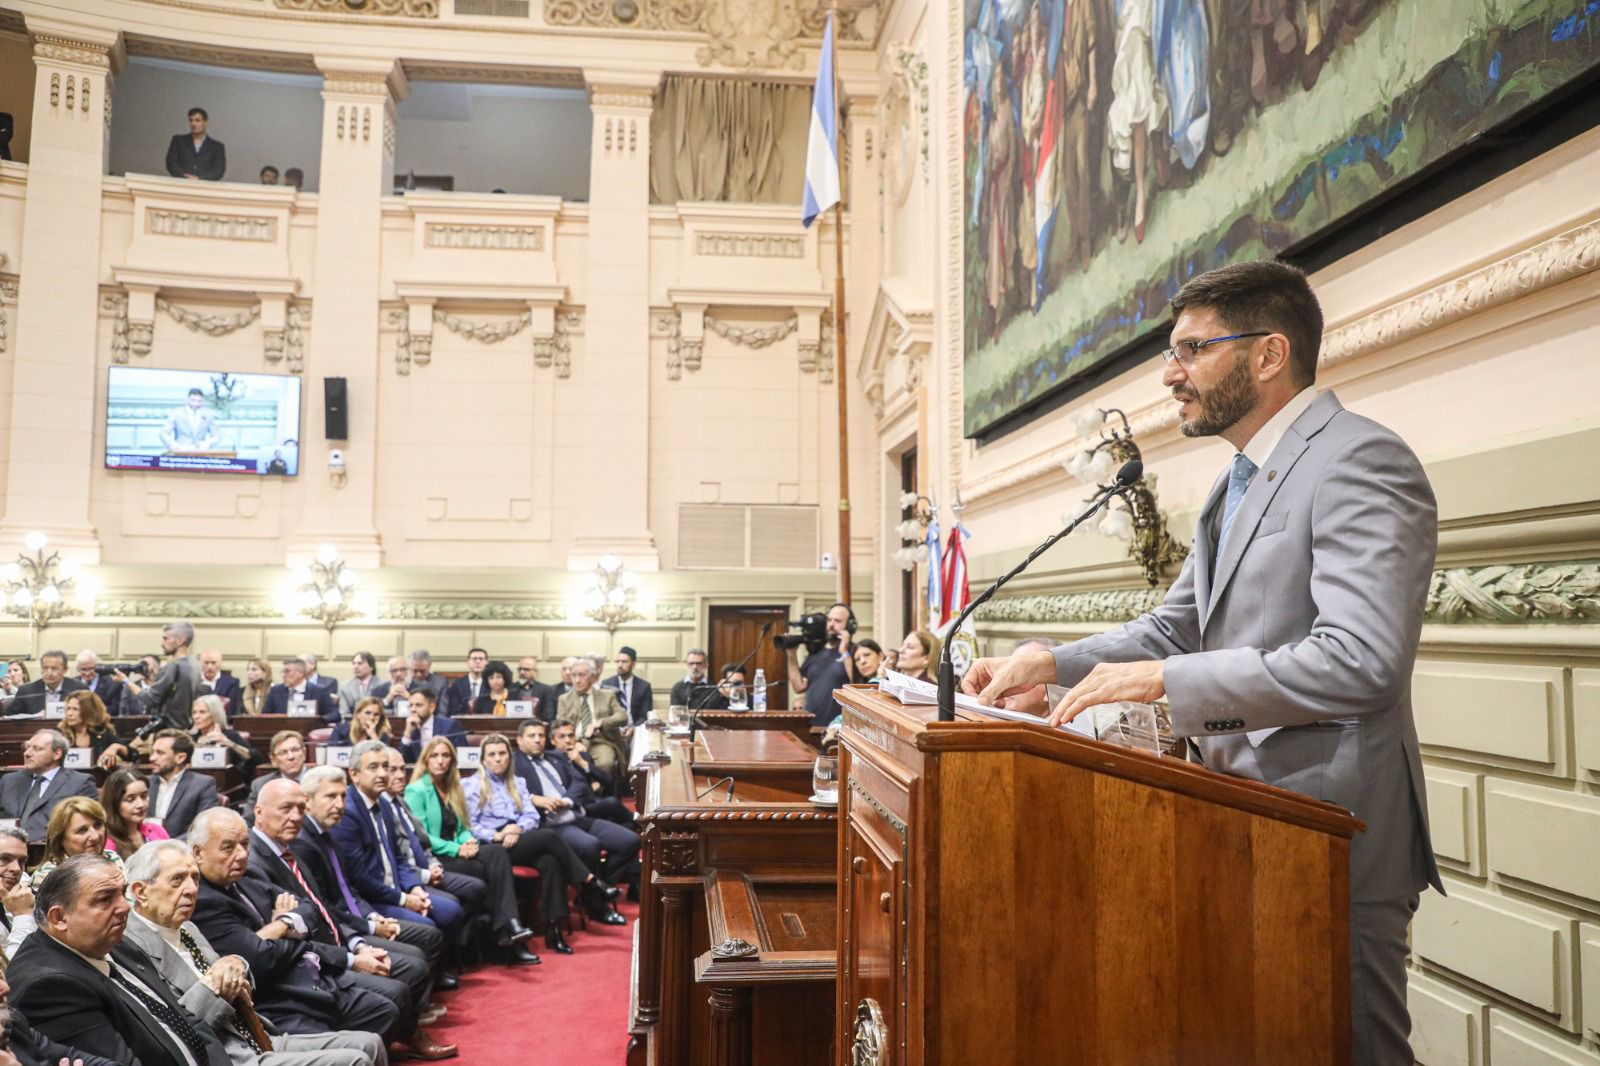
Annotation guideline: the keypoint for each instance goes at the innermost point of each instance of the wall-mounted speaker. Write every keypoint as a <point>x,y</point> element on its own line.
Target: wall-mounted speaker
<point>335,409</point>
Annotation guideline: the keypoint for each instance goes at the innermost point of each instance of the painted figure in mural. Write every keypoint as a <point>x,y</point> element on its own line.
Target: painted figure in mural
<point>1032,84</point>
<point>1085,34</point>
<point>1000,185</point>
<point>1138,102</point>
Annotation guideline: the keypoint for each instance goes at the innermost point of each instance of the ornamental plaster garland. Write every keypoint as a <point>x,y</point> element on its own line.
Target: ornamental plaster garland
<point>1538,592</point>
<point>484,332</point>
<point>212,325</point>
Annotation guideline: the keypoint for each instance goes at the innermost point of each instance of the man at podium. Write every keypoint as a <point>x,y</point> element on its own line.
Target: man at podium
<point>1286,646</point>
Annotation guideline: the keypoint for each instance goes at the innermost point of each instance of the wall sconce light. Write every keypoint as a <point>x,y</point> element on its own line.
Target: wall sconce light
<point>1138,520</point>
<point>326,590</point>
<point>610,599</point>
<point>920,512</point>
<point>40,587</point>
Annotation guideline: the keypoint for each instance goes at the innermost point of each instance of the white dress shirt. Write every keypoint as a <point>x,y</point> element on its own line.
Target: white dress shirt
<point>169,791</point>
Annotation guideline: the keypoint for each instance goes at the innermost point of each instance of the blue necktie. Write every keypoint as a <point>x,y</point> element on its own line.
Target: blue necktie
<point>1238,481</point>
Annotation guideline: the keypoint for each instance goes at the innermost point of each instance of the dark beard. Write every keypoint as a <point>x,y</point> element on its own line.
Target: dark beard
<point>1224,404</point>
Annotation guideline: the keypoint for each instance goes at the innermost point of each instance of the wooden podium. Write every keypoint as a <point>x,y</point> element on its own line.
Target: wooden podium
<point>1013,894</point>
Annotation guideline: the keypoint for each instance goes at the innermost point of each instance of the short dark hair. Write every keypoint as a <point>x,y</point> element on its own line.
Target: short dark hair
<point>473,651</point>
<point>182,743</point>
<point>533,723</point>
<point>197,392</point>
<point>193,111</point>
<point>61,885</point>
<point>268,167</point>
<point>424,694</point>
<point>368,658</point>
<point>1263,294</point>
<point>730,669</point>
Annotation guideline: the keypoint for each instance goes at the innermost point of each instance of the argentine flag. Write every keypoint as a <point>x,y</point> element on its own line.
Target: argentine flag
<point>822,153</point>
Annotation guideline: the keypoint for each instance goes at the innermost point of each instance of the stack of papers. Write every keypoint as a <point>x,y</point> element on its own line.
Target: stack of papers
<point>909,690</point>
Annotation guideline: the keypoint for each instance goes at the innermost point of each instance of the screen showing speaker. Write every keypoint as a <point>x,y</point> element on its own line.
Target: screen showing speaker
<point>200,421</point>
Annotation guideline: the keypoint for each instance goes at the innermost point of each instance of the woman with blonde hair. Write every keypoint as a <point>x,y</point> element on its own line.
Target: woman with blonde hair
<point>77,827</point>
<point>257,683</point>
<point>211,729</point>
<point>436,797</point>
<point>501,813</point>
<point>367,722</point>
<point>918,652</point>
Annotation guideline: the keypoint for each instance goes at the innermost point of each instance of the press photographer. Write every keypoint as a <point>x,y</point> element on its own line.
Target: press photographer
<point>827,663</point>
<point>169,699</point>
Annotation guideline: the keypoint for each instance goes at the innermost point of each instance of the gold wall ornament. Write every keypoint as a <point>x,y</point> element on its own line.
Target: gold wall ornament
<point>1139,520</point>
<point>871,1044</point>
<point>38,586</point>
<point>416,9</point>
<point>325,589</point>
<point>610,598</point>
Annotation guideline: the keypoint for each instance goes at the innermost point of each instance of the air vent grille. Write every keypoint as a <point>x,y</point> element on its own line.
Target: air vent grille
<point>506,9</point>
<point>742,537</point>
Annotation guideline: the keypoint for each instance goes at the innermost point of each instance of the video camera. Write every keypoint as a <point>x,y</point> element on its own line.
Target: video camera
<point>107,669</point>
<point>810,630</point>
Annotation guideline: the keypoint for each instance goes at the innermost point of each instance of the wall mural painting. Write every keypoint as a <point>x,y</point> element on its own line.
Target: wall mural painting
<point>1116,148</point>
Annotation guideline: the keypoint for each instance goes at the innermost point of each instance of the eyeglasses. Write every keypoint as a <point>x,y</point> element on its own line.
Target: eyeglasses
<point>1185,351</point>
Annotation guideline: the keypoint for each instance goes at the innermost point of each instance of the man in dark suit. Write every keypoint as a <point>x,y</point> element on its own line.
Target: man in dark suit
<point>108,688</point>
<point>31,794</point>
<point>464,691</point>
<point>468,891</point>
<point>177,793</point>
<point>562,798</point>
<point>422,675</point>
<point>7,128</point>
<point>422,725</point>
<point>302,985</point>
<point>219,684</point>
<point>295,692</point>
<point>194,155</point>
<point>694,682</point>
<point>33,1048</point>
<point>315,682</point>
<point>529,687</point>
<point>53,686</point>
<point>635,692</point>
<point>76,981</point>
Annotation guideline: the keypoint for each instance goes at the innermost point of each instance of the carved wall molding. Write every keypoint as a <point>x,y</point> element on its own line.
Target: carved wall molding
<point>400,319</point>
<point>212,325</point>
<point>8,294</point>
<point>751,245</point>
<point>1115,605</point>
<point>117,305</point>
<point>556,350</point>
<point>1538,592</point>
<point>473,611</point>
<point>295,319</point>
<point>752,336</point>
<point>675,612</point>
<point>167,223</point>
<point>416,9</point>
<point>637,97</point>
<point>488,332</point>
<point>669,324</point>
<point>67,50</point>
<point>494,238</point>
<point>680,852</point>
<point>1559,259</point>
<point>357,84</point>
<point>909,70</point>
<point>764,34</point>
<point>138,608</point>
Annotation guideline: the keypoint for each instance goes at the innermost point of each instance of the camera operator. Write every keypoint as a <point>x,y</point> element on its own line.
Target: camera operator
<point>826,667</point>
<point>169,699</point>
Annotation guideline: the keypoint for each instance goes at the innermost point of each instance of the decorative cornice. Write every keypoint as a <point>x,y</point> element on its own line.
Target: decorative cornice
<point>68,50</point>
<point>215,227</point>
<point>751,245</point>
<point>484,332</point>
<point>675,612</point>
<point>491,238</point>
<point>133,608</point>
<point>637,97</point>
<point>210,325</point>
<point>752,336</point>
<point>669,816</point>
<point>1113,605</point>
<point>1550,262</point>
<point>357,83</point>
<point>416,9</point>
<point>474,612</point>
<point>1539,592</point>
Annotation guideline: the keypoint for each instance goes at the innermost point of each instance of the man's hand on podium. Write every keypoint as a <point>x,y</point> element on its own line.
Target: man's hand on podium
<point>1109,682</point>
<point>992,679</point>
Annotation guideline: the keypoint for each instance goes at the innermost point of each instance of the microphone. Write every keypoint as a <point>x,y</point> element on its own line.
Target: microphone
<point>694,719</point>
<point>1131,472</point>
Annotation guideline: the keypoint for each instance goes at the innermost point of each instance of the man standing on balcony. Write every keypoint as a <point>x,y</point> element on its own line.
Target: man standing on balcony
<point>196,156</point>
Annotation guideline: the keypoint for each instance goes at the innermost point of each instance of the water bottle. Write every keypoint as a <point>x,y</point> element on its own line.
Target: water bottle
<point>760,703</point>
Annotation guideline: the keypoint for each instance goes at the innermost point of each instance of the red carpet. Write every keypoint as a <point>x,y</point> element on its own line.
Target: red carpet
<point>571,1009</point>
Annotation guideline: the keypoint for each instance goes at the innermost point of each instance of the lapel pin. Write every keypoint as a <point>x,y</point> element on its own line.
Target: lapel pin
<point>1271,474</point>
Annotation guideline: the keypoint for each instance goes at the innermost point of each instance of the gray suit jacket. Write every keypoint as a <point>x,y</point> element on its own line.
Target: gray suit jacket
<point>1309,625</point>
<point>35,816</point>
<point>217,1013</point>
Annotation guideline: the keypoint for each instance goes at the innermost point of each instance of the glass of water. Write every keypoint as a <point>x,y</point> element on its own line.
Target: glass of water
<point>678,716</point>
<point>738,698</point>
<point>825,779</point>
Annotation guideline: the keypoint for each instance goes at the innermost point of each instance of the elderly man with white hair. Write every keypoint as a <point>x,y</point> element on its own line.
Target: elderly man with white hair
<point>108,688</point>
<point>164,881</point>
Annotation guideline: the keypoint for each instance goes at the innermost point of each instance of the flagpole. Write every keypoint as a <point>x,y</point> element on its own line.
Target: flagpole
<point>839,349</point>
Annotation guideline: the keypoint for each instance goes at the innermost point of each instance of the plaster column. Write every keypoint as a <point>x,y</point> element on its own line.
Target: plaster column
<point>614,397</point>
<point>56,393</point>
<point>357,173</point>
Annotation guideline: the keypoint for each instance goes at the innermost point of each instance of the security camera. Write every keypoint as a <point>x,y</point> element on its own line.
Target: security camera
<point>335,459</point>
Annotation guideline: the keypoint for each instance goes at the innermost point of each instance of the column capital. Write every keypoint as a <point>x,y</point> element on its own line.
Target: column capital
<point>621,90</point>
<point>73,44</point>
<point>354,76</point>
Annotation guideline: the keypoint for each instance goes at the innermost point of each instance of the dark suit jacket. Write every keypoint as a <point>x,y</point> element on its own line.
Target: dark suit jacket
<point>641,697</point>
<point>573,785</point>
<point>33,1048</point>
<point>278,702</point>
<point>442,727</point>
<point>313,847</point>
<point>208,164</point>
<point>36,819</point>
<point>30,698</point>
<point>326,684</point>
<point>196,793</point>
<point>67,999</point>
<point>361,854</point>
<point>110,692</point>
<point>228,688</point>
<point>545,694</point>
<point>458,696</point>
<point>264,861</point>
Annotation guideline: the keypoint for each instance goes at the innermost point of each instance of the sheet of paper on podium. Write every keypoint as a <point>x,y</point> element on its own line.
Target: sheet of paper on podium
<point>909,690</point>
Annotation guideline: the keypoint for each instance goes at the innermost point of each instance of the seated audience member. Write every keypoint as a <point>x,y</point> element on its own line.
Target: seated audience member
<point>918,652</point>
<point>422,676</point>
<point>368,722</point>
<point>216,683</point>
<point>288,760</point>
<point>45,695</point>
<point>30,795</point>
<point>363,682</point>
<point>371,854</point>
<point>562,797</point>
<point>302,985</point>
<point>125,798</point>
<point>177,793</point>
<point>685,693</point>
<point>566,676</point>
<point>413,846</point>
<point>211,730</point>
<point>85,724</point>
<point>463,692</point>
<point>22,1045</point>
<point>76,981</point>
<point>284,859</point>
<point>564,739</point>
<point>15,677</point>
<point>731,677</point>
<point>108,688</point>
<point>296,692</point>
<point>496,690</point>
<point>867,662</point>
<point>500,813</point>
<point>295,178</point>
<point>633,692</point>
<point>16,898</point>
<point>422,725</point>
<point>195,155</point>
<point>269,175</point>
<point>164,884</point>
<point>598,715</point>
<point>78,827</point>
<point>257,687</point>
<point>315,682</point>
<point>397,690</point>
<point>529,687</point>
<point>436,799</point>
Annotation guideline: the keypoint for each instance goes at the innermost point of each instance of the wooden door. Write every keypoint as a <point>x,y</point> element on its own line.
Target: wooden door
<point>735,631</point>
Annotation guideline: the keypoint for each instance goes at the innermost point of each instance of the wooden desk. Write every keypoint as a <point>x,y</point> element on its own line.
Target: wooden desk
<point>768,834</point>
<point>796,722</point>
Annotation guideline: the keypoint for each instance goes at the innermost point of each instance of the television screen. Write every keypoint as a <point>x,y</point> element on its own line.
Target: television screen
<point>195,420</point>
